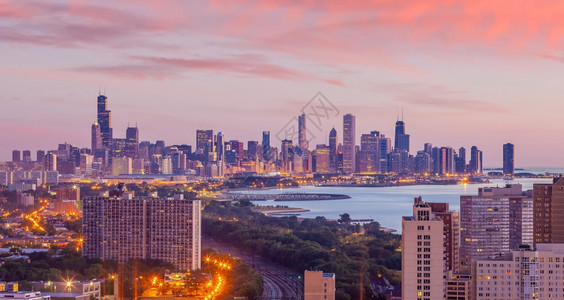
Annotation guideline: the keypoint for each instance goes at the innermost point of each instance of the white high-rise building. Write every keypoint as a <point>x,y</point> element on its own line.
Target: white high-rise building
<point>422,254</point>
<point>524,273</point>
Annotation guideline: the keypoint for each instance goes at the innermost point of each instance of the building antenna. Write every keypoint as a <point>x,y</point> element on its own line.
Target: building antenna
<point>397,114</point>
<point>402,113</point>
<point>99,88</point>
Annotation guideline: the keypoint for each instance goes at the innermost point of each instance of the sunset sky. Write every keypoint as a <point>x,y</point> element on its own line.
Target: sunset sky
<point>465,72</point>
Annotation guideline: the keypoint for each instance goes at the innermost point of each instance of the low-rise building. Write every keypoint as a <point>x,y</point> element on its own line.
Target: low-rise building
<point>319,285</point>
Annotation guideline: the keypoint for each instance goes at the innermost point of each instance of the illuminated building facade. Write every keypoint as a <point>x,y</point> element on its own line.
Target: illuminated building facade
<point>122,228</point>
<point>105,121</point>
<point>494,222</point>
<point>422,258</point>
<point>349,152</point>
<point>524,273</point>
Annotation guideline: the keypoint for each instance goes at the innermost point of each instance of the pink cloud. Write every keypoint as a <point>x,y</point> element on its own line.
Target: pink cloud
<point>164,67</point>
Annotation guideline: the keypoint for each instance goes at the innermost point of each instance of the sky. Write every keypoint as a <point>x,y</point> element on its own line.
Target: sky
<point>464,72</point>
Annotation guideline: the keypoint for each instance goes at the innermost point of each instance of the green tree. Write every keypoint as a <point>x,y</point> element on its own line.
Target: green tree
<point>344,218</point>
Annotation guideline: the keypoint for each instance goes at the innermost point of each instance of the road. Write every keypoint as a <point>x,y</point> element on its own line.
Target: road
<point>279,283</point>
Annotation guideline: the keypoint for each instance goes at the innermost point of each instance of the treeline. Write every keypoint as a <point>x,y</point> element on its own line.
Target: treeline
<point>356,254</point>
<point>69,264</point>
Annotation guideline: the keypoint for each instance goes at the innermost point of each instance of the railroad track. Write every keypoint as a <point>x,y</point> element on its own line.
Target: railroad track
<point>279,283</point>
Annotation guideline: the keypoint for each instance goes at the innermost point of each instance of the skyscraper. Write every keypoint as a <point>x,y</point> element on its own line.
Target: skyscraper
<point>50,161</point>
<point>220,146</point>
<point>16,156</point>
<point>422,254</point>
<point>252,147</point>
<point>322,159</point>
<point>96,138</point>
<point>548,205</point>
<point>203,139</point>
<point>205,143</point>
<point>508,159</point>
<point>333,153</point>
<point>266,145</point>
<point>238,147</point>
<point>385,149</point>
<point>369,158</point>
<point>451,233</point>
<point>446,160</point>
<point>105,121</point>
<point>460,161</point>
<point>40,156</point>
<point>401,139</point>
<point>475,160</point>
<point>349,153</point>
<point>493,222</point>
<point>132,142</point>
<point>26,155</point>
<point>287,156</point>
<point>302,137</point>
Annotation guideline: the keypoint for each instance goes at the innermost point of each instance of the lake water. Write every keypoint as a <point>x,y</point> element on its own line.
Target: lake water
<point>385,205</point>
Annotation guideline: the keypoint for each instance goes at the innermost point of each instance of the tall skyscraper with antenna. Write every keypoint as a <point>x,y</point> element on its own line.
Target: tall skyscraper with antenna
<point>105,121</point>
<point>132,142</point>
<point>401,141</point>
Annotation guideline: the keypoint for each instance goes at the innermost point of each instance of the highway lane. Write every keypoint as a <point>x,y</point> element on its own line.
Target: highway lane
<point>279,283</point>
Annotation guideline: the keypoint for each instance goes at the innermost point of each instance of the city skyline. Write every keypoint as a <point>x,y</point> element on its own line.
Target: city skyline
<point>151,63</point>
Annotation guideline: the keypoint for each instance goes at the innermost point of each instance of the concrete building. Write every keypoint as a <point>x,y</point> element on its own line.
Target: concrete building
<point>524,273</point>
<point>458,286</point>
<point>451,234</point>
<point>319,285</point>
<point>548,207</point>
<point>123,227</point>
<point>494,222</point>
<point>422,260</point>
